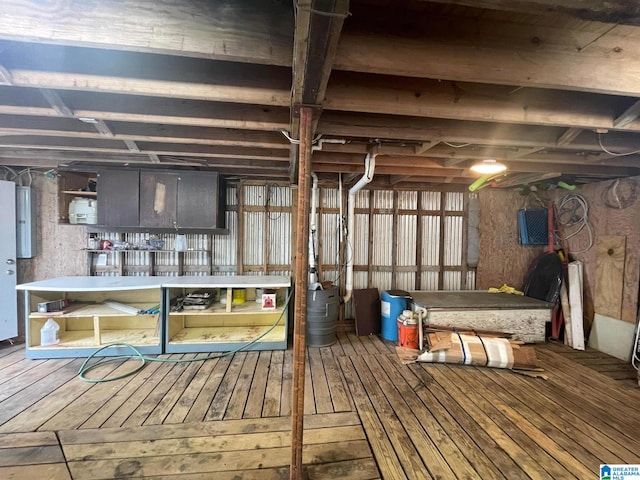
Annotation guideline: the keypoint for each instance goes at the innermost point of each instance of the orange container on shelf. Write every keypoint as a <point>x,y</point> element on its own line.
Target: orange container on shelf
<point>408,332</point>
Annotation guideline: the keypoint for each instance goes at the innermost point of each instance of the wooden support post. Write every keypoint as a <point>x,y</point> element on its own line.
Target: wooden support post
<point>302,250</point>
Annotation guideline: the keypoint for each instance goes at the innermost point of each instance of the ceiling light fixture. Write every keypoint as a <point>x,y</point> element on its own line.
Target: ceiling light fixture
<point>488,166</point>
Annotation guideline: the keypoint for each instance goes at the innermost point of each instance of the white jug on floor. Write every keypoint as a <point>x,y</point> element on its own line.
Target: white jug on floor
<point>49,333</point>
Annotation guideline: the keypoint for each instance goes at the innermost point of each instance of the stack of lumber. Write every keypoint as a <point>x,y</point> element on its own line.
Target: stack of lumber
<point>465,347</point>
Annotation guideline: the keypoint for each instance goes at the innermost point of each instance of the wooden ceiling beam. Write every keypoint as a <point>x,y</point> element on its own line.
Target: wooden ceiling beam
<point>396,179</point>
<point>73,128</point>
<point>253,31</point>
<point>143,109</point>
<point>385,170</point>
<point>143,148</point>
<point>614,11</point>
<point>155,88</point>
<point>473,57</point>
<point>350,92</point>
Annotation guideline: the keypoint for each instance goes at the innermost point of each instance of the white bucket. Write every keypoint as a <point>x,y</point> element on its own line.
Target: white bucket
<point>49,333</point>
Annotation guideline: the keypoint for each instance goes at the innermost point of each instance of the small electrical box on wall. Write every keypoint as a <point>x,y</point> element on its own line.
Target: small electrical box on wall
<point>25,222</point>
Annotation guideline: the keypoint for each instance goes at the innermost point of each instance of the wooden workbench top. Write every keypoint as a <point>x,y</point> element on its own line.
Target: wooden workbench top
<point>478,299</point>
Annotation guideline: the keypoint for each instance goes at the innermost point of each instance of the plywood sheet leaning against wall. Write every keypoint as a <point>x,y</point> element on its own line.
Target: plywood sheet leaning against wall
<point>502,259</point>
<point>610,255</point>
<point>613,210</point>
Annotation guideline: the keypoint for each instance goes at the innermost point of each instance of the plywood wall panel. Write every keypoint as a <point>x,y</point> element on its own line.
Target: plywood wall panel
<point>610,255</point>
<point>60,248</point>
<point>502,259</point>
<point>605,220</point>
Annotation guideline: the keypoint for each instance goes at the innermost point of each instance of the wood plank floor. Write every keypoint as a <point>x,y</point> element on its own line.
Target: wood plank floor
<point>366,416</point>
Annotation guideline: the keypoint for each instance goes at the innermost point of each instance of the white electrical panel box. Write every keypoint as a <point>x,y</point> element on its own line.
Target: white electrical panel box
<point>25,222</point>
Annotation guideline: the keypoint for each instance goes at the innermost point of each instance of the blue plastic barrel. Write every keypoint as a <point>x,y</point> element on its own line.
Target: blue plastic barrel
<point>393,302</point>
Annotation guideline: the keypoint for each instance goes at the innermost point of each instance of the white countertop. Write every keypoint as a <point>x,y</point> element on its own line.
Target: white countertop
<point>101,284</point>
<point>231,281</point>
<point>92,284</point>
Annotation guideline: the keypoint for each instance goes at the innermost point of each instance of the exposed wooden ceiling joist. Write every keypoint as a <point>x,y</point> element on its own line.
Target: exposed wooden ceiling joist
<point>612,11</point>
<point>252,32</point>
<point>494,52</point>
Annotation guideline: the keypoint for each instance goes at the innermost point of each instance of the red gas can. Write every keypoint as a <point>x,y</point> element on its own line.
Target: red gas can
<point>407,332</point>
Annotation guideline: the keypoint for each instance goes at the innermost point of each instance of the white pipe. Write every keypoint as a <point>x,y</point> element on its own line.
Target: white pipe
<point>318,146</point>
<point>312,223</point>
<point>369,169</point>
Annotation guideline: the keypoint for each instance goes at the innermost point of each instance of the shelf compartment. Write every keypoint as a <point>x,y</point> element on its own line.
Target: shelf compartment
<point>225,338</point>
<point>82,339</point>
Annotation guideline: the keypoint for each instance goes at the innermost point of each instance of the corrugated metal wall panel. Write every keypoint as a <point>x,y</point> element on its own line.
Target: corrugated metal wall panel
<point>452,281</point>
<point>330,237</point>
<point>406,240</point>
<point>232,195</point>
<point>360,248</point>
<point>407,200</point>
<point>224,246</point>
<point>253,238</point>
<point>430,200</point>
<point>360,280</point>
<point>454,201</point>
<point>471,280</point>
<point>279,226</point>
<point>254,195</point>
<point>453,241</point>
<point>383,199</point>
<point>429,280</point>
<point>382,239</point>
<point>362,199</point>
<point>330,198</point>
<point>382,280</point>
<point>406,280</point>
<point>430,240</point>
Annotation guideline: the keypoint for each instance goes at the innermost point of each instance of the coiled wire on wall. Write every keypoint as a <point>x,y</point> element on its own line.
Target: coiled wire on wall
<point>86,367</point>
<point>613,196</point>
<point>573,216</point>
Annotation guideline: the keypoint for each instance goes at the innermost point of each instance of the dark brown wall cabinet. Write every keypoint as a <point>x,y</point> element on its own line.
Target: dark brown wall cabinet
<point>118,198</point>
<point>169,201</point>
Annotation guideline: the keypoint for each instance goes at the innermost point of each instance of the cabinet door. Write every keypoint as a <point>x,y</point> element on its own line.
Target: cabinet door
<point>198,203</point>
<point>118,198</point>
<point>158,199</point>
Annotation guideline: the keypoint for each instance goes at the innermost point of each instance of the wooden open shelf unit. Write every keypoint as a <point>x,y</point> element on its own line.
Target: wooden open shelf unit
<point>227,326</point>
<point>88,324</point>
